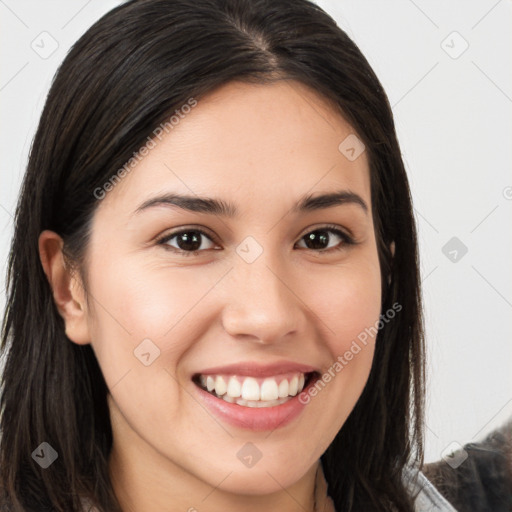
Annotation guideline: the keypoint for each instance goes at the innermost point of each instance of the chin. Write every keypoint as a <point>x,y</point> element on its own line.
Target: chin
<point>261,479</point>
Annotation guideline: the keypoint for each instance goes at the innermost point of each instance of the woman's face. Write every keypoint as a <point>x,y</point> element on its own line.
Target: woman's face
<point>270,291</point>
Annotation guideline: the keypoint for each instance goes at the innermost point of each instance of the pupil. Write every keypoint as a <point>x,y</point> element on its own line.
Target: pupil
<point>191,243</point>
<point>315,238</point>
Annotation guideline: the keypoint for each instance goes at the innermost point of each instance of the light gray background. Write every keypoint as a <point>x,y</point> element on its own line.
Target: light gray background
<point>453,117</point>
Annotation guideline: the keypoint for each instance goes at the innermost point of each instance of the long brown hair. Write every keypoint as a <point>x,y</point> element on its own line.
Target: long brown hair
<point>120,80</point>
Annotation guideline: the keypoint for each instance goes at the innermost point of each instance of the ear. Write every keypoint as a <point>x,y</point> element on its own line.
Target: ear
<point>68,292</point>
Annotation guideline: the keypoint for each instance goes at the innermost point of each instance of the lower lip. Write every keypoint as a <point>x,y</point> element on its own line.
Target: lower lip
<point>255,418</point>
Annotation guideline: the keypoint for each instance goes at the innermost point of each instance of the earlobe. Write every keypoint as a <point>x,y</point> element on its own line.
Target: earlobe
<point>68,292</point>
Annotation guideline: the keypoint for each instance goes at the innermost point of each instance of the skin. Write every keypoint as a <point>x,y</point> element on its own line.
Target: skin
<point>292,303</point>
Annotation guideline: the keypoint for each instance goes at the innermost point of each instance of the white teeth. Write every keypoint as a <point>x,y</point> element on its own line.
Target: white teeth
<point>250,389</point>
<point>234,388</point>
<point>248,392</point>
<point>220,385</point>
<point>294,386</point>
<point>269,390</point>
<point>283,388</point>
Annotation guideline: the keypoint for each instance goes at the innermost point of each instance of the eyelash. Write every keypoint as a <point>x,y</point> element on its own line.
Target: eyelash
<point>346,240</point>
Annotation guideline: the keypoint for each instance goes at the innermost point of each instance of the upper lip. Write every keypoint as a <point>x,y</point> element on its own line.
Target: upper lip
<point>252,369</point>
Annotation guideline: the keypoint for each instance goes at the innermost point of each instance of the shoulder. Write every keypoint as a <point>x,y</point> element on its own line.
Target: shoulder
<point>428,498</point>
<point>482,479</point>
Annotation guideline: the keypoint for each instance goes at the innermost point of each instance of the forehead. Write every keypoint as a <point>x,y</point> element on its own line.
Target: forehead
<point>259,145</point>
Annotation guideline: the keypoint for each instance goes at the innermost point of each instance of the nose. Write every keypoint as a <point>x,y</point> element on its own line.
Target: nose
<point>263,302</point>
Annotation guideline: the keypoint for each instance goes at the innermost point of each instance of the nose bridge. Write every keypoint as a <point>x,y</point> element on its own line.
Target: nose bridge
<point>260,301</point>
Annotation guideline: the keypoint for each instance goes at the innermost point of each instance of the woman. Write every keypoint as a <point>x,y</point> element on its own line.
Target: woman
<point>214,297</point>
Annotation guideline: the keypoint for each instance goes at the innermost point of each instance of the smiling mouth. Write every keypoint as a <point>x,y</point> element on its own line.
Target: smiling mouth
<point>255,392</point>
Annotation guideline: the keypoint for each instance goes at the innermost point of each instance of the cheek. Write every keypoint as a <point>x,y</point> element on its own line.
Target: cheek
<point>146,302</point>
<point>133,303</point>
<point>348,302</point>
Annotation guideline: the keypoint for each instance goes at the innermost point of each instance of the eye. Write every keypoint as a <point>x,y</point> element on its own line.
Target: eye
<point>188,242</point>
<point>320,239</point>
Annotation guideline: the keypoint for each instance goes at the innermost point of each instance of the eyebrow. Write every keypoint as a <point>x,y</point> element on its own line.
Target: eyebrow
<point>223,208</point>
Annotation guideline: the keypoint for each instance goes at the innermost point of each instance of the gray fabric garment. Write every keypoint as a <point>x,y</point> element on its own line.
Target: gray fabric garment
<point>429,498</point>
